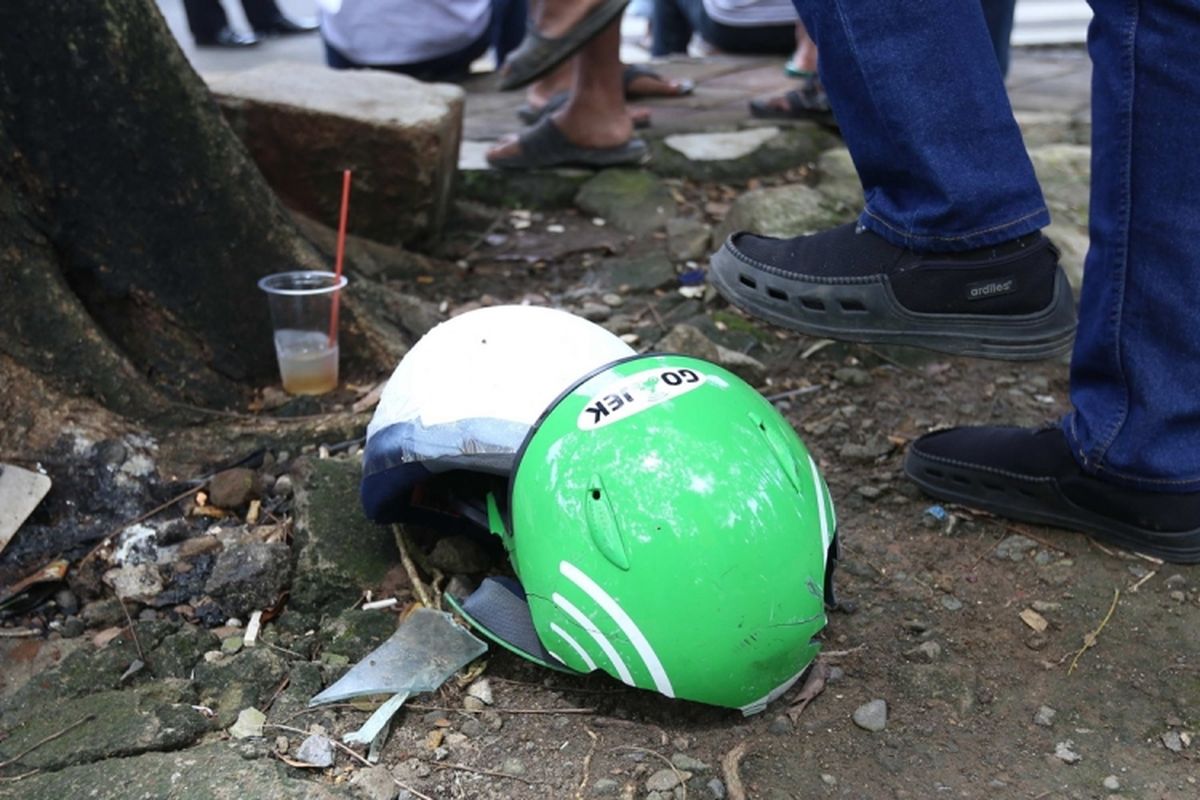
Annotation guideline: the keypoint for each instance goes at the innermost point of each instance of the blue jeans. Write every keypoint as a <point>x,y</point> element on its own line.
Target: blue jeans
<point>943,167</point>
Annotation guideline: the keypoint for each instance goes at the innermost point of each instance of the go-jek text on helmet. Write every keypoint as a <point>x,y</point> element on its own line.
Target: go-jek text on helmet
<point>465,396</point>
<point>669,528</point>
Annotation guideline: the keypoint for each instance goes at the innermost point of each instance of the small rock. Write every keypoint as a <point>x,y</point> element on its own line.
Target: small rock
<point>140,583</point>
<point>1177,596</point>
<point>233,488</point>
<point>665,780</point>
<point>1176,581</point>
<point>595,312</point>
<point>67,602</point>
<point>835,675</point>
<point>605,787</point>
<point>231,645</point>
<point>780,726</point>
<point>685,762</point>
<point>102,613</point>
<point>716,788</point>
<point>283,486</point>
<point>513,766</point>
<point>316,750</point>
<point>282,744</point>
<point>869,492</point>
<point>249,575</point>
<point>853,376</point>
<point>72,627</point>
<point>374,783</point>
<point>1172,741</point>
<point>1044,716</point>
<point>481,689</point>
<point>473,704</point>
<point>925,651</point>
<point>249,724</point>
<point>688,239</point>
<point>1111,783</point>
<point>1014,548</point>
<point>828,779</point>
<point>872,716</point>
<point>471,728</point>
<point>1065,752</point>
<point>1044,607</point>
<point>951,603</point>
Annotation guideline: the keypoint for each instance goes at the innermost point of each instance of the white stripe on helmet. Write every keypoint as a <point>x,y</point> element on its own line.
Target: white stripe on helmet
<point>599,637</point>
<point>661,682</point>
<point>576,646</point>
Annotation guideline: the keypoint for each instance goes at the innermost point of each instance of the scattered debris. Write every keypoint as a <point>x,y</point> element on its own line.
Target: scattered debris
<point>20,493</point>
<point>425,650</point>
<point>1044,716</point>
<point>1172,741</point>
<point>1034,620</point>
<point>1065,752</point>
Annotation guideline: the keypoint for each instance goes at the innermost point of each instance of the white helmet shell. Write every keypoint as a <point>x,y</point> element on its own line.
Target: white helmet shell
<point>466,394</point>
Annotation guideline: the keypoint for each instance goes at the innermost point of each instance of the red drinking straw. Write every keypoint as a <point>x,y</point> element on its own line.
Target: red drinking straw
<point>341,252</point>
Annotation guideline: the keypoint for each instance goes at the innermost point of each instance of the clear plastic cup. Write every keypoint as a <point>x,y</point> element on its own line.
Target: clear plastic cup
<point>302,309</point>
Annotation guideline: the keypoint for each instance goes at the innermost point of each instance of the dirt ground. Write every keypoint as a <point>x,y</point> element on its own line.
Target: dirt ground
<point>1015,661</point>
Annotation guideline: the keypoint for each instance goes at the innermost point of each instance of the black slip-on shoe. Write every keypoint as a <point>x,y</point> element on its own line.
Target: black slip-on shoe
<point>1009,301</point>
<point>1030,475</point>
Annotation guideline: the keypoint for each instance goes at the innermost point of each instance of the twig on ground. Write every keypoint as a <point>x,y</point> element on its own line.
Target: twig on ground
<point>475,771</point>
<point>283,684</point>
<point>132,632</point>
<point>18,633</point>
<point>660,757</point>
<point>23,775</point>
<point>1089,639</point>
<point>827,655</point>
<point>411,568</point>
<point>794,392</point>
<point>587,765</point>
<point>1135,586</point>
<point>46,740</point>
<point>729,766</point>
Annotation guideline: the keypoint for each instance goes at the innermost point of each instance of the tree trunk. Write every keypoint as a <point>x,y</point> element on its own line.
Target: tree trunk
<point>133,226</point>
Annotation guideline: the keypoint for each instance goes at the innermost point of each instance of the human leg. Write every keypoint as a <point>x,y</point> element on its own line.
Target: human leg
<point>946,253</point>
<point>267,19</point>
<point>210,26</point>
<point>593,128</point>
<point>999,17</point>
<point>1124,466</point>
<point>670,28</point>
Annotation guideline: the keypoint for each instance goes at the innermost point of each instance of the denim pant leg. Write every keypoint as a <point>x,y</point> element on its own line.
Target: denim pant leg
<point>671,26</point>
<point>1135,372</point>
<point>999,16</point>
<point>923,110</point>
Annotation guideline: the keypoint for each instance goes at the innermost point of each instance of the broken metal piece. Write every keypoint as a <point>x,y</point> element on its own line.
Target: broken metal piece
<point>20,493</point>
<point>420,656</point>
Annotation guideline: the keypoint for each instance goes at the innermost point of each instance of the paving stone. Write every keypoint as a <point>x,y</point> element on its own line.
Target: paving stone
<point>739,154</point>
<point>781,211</point>
<point>302,124</point>
<point>634,200</point>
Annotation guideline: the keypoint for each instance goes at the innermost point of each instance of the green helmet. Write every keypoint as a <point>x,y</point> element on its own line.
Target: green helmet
<point>669,528</point>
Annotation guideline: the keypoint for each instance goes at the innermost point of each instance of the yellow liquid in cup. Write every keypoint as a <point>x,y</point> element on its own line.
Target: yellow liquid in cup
<point>307,364</point>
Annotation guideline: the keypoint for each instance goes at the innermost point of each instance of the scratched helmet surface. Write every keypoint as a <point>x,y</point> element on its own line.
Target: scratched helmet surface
<point>464,397</point>
<point>669,528</point>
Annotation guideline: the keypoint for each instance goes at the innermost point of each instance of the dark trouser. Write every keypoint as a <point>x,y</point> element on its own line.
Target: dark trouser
<point>503,34</point>
<point>999,16</point>
<point>206,17</point>
<point>674,21</point>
